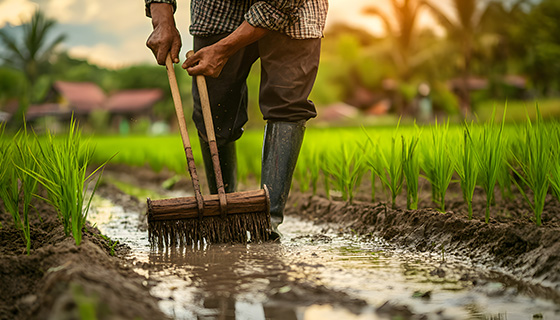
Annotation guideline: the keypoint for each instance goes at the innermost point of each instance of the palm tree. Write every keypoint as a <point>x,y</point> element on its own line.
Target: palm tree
<point>31,53</point>
<point>405,14</point>
<point>462,30</point>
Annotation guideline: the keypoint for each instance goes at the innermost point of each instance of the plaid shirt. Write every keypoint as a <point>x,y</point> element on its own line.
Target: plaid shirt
<point>299,19</point>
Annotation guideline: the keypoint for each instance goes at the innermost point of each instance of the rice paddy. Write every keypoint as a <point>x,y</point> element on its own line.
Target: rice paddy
<point>344,162</point>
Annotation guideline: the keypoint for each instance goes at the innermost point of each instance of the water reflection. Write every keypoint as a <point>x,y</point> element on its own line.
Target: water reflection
<point>314,273</point>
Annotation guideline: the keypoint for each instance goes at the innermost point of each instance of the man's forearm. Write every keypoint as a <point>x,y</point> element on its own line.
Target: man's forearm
<point>162,13</point>
<point>243,36</point>
<point>211,60</point>
<point>165,38</point>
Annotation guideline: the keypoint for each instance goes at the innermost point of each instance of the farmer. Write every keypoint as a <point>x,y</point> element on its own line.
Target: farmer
<point>229,36</point>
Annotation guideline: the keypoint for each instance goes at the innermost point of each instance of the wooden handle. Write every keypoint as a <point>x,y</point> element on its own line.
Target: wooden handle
<point>184,134</point>
<point>210,135</point>
<point>256,201</point>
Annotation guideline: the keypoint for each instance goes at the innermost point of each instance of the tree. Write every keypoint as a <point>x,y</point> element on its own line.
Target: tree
<point>403,31</point>
<point>462,30</point>
<point>473,19</point>
<point>540,34</point>
<point>31,55</point>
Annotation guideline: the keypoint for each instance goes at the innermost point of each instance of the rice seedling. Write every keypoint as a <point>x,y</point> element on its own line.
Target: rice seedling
<point>534,164</point>
<point>9,189</point>
<point>324,167</point>
<point>467,168</point>
<point>62,171</point>
<point>347,168</point>
<point>437,164</point>
<point>388,166</point>
<point>555,170</point>
<point>490,158</point>
<point>28,184</point>
<point>301,175</point>
<point>314,169</point>
<point>371,161</point>
<point>411,168</point>
<point>17,188</point>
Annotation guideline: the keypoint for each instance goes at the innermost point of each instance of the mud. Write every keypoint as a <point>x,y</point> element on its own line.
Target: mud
<point>514,245</point>
<point>336,261</point>
<point>327,271</point>
<point>61,281</point>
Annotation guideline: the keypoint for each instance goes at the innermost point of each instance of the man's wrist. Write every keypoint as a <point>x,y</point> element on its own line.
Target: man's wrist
<point>148,4</point>
<point>162,13</point>
<point>243,36</point>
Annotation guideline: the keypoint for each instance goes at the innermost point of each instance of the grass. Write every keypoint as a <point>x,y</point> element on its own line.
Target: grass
<point>28,183</point>
<point>17,188</point>
<point>388,166</point>
<point>339,159</point>
<point>346,167</point>
<point>555,170</point>
<point>467,168</point>
<point>534,164</point>
<point>490,158</point>
<point>411,168</point>
<point>61,168</point>
<point>437,164</point>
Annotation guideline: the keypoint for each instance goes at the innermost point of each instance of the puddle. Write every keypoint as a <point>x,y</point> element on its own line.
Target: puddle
<point>314,273</point>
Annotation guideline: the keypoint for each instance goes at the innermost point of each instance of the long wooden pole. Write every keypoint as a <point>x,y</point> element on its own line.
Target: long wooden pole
<point>184,134</point>
<point>210,135</point>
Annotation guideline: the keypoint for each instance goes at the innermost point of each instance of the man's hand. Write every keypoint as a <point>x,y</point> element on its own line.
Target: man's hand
<point>210,61</point>
<point>165,38</point>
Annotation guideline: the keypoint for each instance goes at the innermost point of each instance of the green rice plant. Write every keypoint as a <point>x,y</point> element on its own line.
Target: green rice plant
<point>28,184</point>
<point>555,170</point>
<point>534,164</point>
<point>411,169</point>
<point>324,167</point>
<point>9,189</point>
<point>490,158</point>
<point>314,169</point>
<point>17,187</point>
<point>437,164</point>
<point>308,171</point>
<point>62,171</point>
<point>388,166</point>
<point>301,175</point>
<point>347,167</point>
<point>372,161</point>
<point>467,168</point>
<point>505,180</point>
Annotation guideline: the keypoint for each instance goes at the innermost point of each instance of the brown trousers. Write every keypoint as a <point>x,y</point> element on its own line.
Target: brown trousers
<point>288,71</point>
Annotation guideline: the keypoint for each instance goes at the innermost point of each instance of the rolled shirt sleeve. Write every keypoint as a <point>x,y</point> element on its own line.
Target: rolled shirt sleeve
<point>149,2</point>
<point>275,15</point>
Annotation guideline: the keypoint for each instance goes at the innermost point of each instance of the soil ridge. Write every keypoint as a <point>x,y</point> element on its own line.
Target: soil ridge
<point>529,253</point>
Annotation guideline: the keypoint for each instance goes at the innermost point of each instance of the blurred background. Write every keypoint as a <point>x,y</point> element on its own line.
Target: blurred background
<point>381,60</point>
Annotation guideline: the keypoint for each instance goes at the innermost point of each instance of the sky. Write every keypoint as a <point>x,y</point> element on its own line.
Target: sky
<point>113,33</point>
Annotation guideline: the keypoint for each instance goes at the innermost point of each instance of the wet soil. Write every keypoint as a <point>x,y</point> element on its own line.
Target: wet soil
<point>315,272</point>
<point>59,280</point>
<point>368,260</point>
<point>511,242</point>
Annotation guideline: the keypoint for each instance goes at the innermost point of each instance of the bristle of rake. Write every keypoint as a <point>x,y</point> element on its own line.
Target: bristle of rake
<point>215,229</point>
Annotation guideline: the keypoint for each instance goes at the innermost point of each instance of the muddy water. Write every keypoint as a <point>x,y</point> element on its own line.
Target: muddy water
<point>315,272</point>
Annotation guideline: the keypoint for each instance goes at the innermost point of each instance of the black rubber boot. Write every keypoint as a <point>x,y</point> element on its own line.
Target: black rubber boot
<point>228,164</point>
<point>281,146</point>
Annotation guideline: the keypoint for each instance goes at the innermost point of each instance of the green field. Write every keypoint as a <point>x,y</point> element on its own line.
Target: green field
<point>345,160</point>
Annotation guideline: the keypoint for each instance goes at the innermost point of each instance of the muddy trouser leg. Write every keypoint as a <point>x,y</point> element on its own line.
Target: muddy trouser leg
<point>288,71</point>
<point>228,102</point>
<point>228,163</point>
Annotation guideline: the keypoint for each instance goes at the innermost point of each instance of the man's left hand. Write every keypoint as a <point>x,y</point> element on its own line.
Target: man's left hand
<point>208,61</point>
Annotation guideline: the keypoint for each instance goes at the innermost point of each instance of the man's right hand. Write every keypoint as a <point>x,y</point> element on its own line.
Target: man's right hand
<point>165,38</point>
